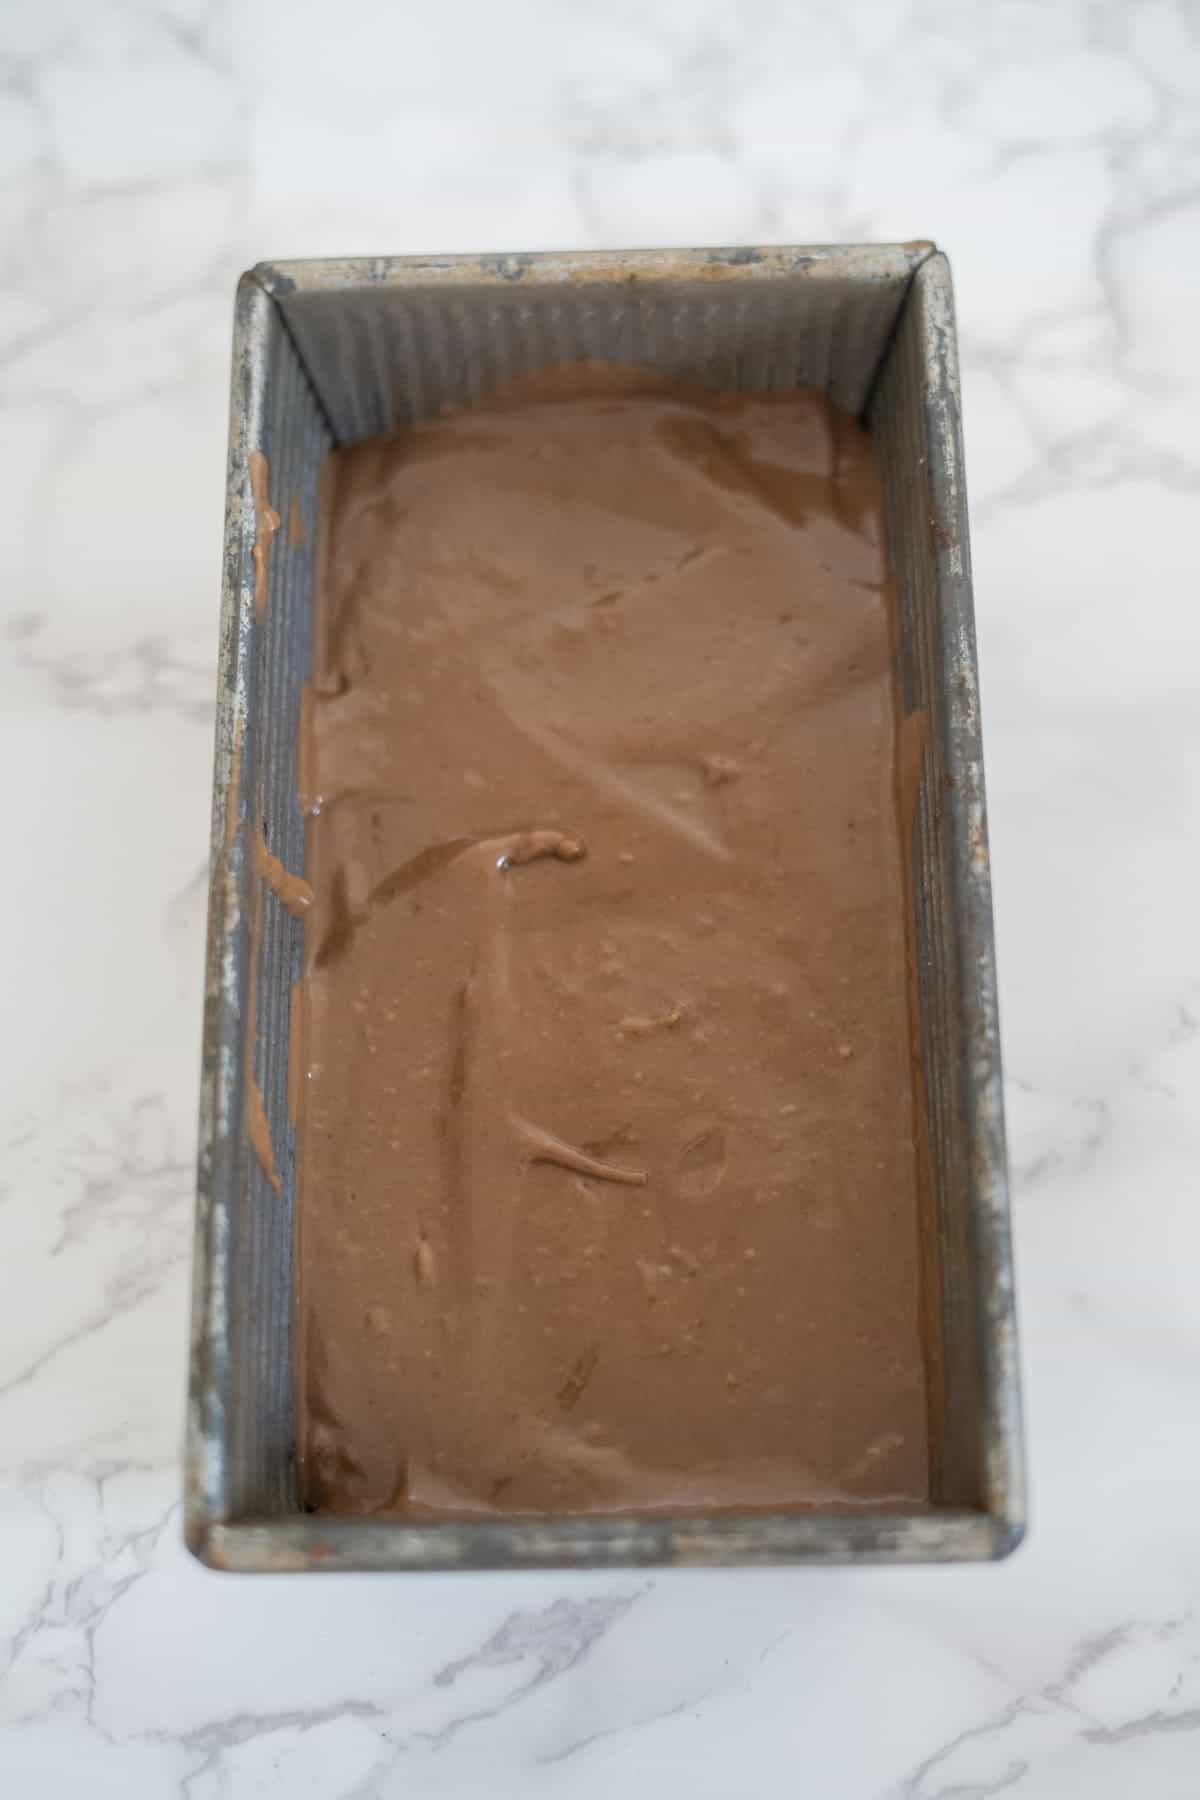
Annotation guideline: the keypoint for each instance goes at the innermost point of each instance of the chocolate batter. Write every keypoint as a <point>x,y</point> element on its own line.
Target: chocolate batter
<point>609,1196</point>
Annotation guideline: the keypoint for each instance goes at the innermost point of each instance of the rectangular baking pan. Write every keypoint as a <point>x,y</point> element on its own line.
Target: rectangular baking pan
<point>328,352</point>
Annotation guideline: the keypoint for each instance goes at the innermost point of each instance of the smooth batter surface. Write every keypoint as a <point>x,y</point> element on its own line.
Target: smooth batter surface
<point>609,1195</point>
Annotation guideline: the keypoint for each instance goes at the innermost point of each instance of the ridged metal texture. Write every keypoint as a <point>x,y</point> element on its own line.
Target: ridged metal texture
<point>387,343</point>
<point>330,352</point>
<point>240,1435</point>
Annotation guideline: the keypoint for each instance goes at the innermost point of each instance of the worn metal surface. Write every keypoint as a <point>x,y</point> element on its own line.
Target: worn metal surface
<point>388,341</point>
<point>328,352</point>
<point>915,417</point>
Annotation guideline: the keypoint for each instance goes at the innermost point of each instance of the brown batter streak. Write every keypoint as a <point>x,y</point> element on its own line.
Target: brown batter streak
<point>266,524</point>
<point>259,1132</point>
<point>257,1129</point>
<point>608,1182</point>
<point>292,891</point>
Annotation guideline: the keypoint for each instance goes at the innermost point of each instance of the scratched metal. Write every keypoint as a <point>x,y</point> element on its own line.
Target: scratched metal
<point>327,352</point>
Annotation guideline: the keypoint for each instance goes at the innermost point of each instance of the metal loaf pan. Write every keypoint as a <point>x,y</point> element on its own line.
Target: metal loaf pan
<point>327,352</point>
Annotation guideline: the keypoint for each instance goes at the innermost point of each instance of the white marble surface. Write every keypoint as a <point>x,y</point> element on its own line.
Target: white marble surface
<point>147,153</point>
